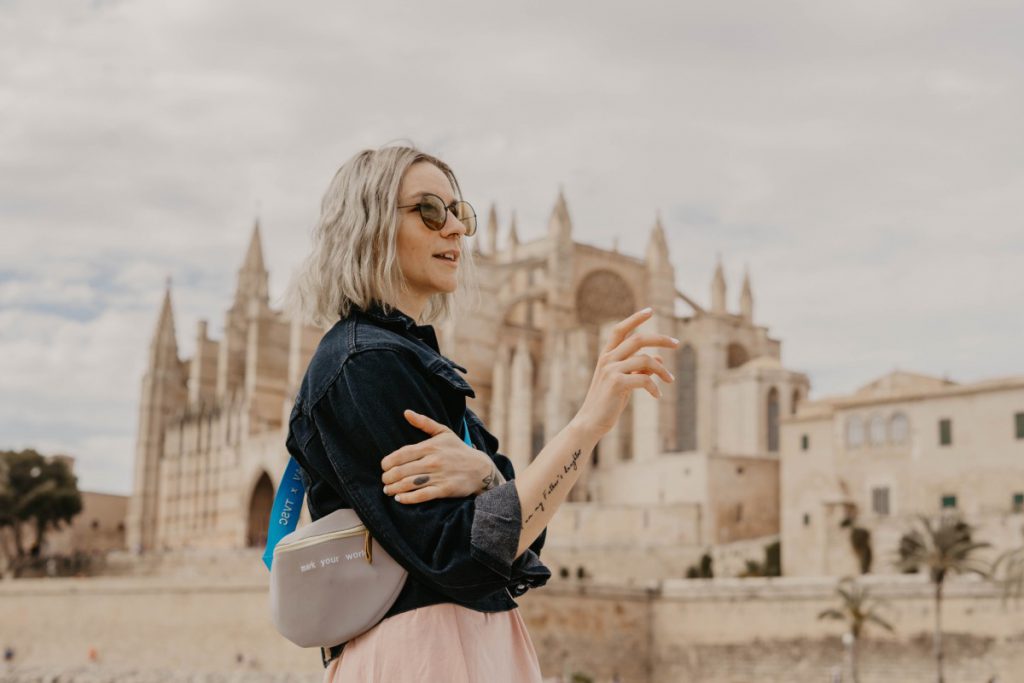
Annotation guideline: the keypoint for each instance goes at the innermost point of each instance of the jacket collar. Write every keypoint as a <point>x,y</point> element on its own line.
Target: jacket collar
<point>399,322</point>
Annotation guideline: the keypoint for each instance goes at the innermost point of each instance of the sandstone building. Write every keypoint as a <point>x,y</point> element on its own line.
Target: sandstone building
<point>902,445</point>
<point>696,469</point>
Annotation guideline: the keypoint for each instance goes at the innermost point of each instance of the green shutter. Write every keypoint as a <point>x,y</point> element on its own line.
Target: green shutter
<point>949,501</point>
<point>1018,502</point>
<point>804,442</point>
<point>945,432</point>
<point>1020,425</point>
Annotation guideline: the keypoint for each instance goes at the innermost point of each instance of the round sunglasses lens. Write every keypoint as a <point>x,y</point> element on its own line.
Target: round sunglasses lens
<point>464,212</point>
<point>433,211</point>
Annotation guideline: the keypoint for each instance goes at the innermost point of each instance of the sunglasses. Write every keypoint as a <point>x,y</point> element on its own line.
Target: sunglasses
<point>435,214</point>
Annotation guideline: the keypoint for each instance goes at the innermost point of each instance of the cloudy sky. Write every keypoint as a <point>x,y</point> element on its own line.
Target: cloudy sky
<point>864,160</point>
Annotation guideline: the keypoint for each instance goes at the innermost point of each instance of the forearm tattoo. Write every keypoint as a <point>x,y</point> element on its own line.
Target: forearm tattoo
<point>553,485</point>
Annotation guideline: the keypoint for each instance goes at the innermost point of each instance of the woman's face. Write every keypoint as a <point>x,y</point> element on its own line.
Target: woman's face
<point>419,247</point>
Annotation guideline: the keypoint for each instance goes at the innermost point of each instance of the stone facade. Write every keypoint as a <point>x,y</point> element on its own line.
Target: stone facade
<point>714,631</point>
<point>902,445</point>
<point>699,467</point>
<point>99,528</point>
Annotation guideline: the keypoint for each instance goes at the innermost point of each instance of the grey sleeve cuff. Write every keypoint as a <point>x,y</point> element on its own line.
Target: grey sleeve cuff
<point>497,525</point>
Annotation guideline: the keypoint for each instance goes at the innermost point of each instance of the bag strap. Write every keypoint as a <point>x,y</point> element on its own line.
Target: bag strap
<point>284,515</point>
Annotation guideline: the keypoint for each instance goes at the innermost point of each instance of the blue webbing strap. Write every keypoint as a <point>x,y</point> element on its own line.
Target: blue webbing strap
<point>284,515</point>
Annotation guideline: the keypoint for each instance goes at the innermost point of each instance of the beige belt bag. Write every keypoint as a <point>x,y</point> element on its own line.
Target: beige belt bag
<point>329,583</point>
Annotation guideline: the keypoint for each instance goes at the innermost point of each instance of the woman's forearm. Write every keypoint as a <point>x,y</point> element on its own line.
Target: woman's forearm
<point>544,484</point>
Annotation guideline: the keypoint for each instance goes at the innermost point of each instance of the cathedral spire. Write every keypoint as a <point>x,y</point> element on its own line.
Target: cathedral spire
<point>657,245</point>
<point>492,230</point>
<point>746,296</point>
<point>164,346</point>
<point>718,288</point>
<point>513,234</point>
<point>252,276</point>
<point>560,225</point>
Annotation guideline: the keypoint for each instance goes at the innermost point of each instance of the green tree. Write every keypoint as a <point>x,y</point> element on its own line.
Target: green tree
<point>36,490</point>
<point>1008,573</point>
<point>941,546</point>
<point>857,608</point>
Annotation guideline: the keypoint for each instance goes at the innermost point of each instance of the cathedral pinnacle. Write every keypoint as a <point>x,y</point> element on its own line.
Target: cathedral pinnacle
<point>746,297</point>
<point>560,225</point>
<point>252,276</point>
<point>718,288</point>
<point>254,255</point>
<point>657,245</point>
<point>492,230</point>
<point>513,234</point>
<point>164,341</point>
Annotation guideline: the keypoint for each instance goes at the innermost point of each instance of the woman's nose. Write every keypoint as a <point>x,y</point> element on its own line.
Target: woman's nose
<point>452,224</point>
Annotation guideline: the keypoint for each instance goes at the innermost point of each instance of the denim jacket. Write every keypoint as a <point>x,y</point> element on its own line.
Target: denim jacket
<point>348,415</point>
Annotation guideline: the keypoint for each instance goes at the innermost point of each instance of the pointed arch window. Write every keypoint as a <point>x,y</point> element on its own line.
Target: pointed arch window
<point>773,420</point>
<point>686,399</point>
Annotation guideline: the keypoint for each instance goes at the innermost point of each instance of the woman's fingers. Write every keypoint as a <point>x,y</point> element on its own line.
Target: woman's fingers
<point>642,363</point>
<point>641,381</point>
<point>423,465</point>
<point>623,328</point>
<point>425,423</point>
<point>412,483</point>
<point>420,495</point>
<point>403,455</point>
<point>639,341</point>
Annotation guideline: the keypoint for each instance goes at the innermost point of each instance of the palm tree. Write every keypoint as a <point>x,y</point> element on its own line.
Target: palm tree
<point>857,608</point>
<point>941,547</point>
<point>1008,572</point>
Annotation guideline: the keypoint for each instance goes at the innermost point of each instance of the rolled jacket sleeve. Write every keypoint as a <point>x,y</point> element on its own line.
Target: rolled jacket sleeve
<point>463,547</point>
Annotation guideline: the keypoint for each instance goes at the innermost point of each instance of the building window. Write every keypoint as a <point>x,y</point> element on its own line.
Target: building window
<point>739,512</point>
<point>1018,502</point>
<point>686,399</point>
<point>876,430</point>
<point>807,519</point>
<point>805,442</point>
<point>949,501</point>
<point>880,500</point>
<point>1019,419</point>
<point>773,420</point>
<point>854,431</point>
<point>898,428</point>
<point>945,431</point>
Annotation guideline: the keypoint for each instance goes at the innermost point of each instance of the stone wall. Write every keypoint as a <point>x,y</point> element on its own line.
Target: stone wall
<point>716,631</point>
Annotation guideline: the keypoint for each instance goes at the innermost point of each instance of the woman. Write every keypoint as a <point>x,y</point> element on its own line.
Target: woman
<point>379,421</point>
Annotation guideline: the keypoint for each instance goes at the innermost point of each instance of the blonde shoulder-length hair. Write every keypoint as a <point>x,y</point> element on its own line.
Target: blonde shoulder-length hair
<point>354,261</point>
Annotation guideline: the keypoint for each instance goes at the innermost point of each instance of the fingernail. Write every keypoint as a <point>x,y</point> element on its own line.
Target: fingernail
<point>671,376</point>
<point>647,310</point>
<point>398,499</point>
<point>674,340</point>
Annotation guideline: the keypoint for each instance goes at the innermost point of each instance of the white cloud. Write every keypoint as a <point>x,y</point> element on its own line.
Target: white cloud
<point>859,158</point>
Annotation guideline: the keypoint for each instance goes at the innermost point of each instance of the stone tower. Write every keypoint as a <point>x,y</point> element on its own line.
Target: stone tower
<point>163,395</point>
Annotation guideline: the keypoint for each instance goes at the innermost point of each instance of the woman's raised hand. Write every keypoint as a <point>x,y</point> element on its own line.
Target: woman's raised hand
<point>443,466</point>
<point>621,369</point>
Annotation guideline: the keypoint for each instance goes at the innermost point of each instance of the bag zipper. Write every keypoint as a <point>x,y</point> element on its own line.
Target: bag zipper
<point>344,533</point>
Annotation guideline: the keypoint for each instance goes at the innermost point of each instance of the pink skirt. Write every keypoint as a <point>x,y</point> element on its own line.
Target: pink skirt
<point>446,643</point>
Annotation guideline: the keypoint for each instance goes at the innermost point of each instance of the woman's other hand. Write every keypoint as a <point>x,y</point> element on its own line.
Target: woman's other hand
<point>621,369</point>
<point>443,466</point>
